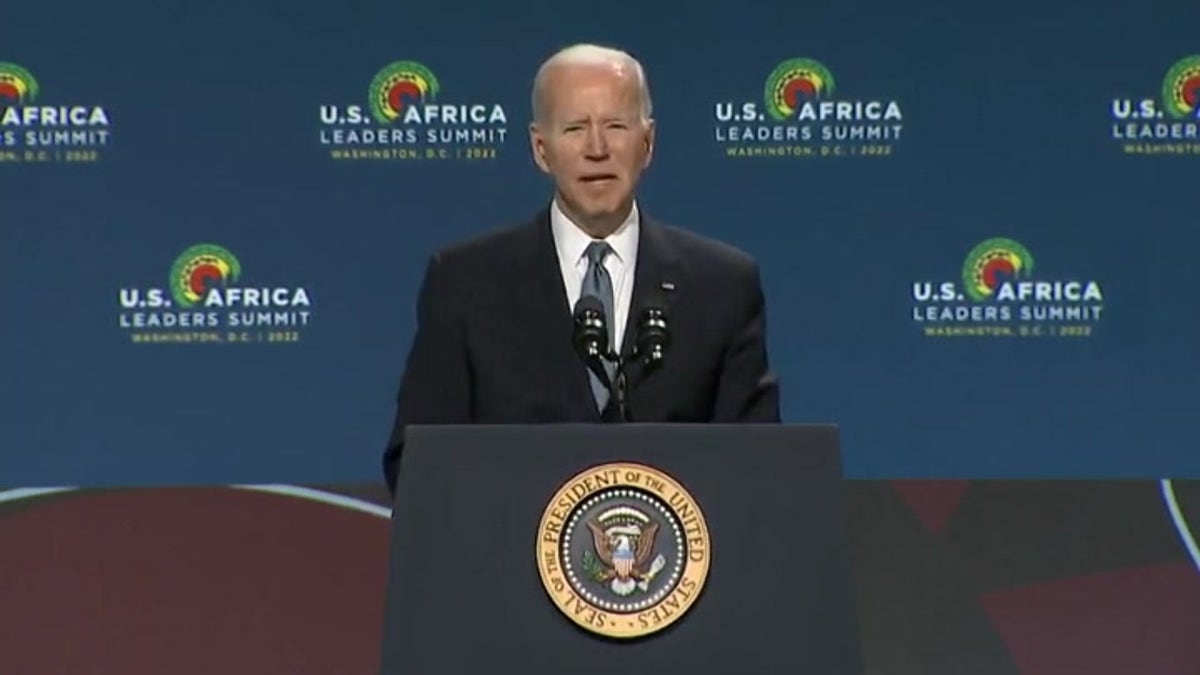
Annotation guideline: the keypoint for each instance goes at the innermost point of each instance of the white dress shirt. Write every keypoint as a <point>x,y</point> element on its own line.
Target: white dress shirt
<point>571,242</point>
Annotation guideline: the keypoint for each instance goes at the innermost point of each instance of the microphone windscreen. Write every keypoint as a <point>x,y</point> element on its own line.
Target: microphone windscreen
<point>589,303</point>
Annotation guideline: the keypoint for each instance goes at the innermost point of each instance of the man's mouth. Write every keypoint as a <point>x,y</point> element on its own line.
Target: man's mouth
<point>598,177</point>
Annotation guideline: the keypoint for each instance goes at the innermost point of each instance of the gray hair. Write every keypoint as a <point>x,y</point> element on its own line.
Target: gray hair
<point>591,54</point>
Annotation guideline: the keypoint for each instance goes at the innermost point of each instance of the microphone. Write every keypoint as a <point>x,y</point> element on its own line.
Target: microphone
<point>591,344</point>
<point>591,335</point>
<point>653,336</point>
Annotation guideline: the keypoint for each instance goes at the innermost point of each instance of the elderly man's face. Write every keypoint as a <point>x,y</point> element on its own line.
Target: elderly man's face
<point>593,141</point>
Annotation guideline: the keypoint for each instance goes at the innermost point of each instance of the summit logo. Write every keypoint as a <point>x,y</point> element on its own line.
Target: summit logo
<point>1167,125</point>
<point>405,117</point>
<point>206,300</point>
<point>999,294</point>
<point>803,114</point>
<point>33,131</point>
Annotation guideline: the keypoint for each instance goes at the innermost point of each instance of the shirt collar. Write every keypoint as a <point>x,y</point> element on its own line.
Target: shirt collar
<point>571,241</point>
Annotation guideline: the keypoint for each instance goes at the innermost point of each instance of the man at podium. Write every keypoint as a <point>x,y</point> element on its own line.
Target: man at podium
<point>593,311</point>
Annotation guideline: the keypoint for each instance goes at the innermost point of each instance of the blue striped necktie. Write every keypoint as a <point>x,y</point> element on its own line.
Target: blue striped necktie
<point>597,282</point>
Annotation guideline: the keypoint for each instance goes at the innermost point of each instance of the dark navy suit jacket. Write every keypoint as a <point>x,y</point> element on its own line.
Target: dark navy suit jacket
<point>493,343</point>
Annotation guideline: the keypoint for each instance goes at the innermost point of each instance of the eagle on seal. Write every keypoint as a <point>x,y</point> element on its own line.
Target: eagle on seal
<point>625,549</point>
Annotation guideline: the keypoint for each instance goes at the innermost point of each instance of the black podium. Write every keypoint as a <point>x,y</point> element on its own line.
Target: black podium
<point>636,548</point>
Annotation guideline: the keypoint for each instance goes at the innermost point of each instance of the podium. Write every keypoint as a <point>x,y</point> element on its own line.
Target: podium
<point>586,549</point>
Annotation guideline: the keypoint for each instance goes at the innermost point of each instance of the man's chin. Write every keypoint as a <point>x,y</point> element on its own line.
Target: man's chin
<point>610,212</point>
<point>604,209</point>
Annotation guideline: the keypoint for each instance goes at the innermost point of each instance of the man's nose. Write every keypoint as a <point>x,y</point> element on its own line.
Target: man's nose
<point>596,146</point>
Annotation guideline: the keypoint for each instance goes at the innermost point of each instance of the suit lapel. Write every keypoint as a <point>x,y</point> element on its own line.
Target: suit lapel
<point>552,320</point>
<point>656,279</point>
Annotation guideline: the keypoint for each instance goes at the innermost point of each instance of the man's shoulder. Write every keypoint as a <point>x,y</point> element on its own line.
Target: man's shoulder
<point>706,252</point>
<point>496,243</point>
<point>719,271</point>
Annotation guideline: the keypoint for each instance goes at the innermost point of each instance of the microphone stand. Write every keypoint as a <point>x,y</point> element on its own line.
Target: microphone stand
<point>618,387</point>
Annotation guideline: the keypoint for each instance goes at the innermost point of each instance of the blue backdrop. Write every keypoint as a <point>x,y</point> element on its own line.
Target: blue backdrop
<point>1071,133</point>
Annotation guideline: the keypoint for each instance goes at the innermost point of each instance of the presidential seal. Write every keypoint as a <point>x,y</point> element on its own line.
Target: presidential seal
<point>623,550</point>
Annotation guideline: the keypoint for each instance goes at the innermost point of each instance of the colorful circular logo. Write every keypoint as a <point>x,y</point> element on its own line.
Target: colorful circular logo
<point>991,260</point>
<point>793,79</point>
<point>17,85</point>
<point>398,83</point>
<point>623,550</point>
<point>199,269</point>
<point>1181,88</point>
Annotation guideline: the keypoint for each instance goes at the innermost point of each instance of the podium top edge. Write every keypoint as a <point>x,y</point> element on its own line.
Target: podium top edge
<point>620,430</point>
<point>810,426</point>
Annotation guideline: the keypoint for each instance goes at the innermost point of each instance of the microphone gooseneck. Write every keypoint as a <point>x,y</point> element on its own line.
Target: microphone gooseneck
<point>652,340</point>
<point>593,347</point>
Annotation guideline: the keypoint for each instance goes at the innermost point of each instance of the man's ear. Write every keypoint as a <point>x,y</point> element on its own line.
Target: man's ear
<point>649,140</point>
<point>537,145</point>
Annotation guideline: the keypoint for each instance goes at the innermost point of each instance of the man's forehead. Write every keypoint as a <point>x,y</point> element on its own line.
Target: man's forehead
<point>568,114</point>
<point>576,68</point>
<point>581,91</point>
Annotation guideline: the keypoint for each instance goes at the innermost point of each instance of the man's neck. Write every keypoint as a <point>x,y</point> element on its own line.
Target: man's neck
<point>597,227</point>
